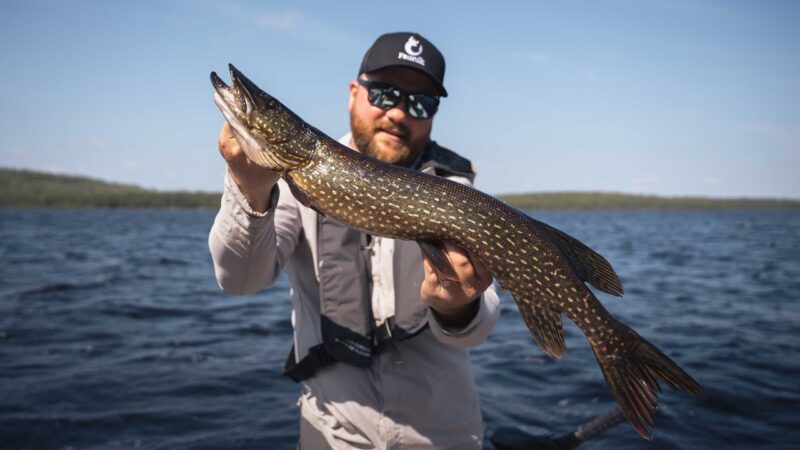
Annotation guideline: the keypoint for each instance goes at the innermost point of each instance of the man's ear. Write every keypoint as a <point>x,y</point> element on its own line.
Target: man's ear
<point>353,92</point>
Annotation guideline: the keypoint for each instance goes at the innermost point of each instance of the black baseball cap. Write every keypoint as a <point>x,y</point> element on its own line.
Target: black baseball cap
<point>408,50</point>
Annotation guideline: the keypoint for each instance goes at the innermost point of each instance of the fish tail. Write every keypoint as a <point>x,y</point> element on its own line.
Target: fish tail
<point>631,369</point>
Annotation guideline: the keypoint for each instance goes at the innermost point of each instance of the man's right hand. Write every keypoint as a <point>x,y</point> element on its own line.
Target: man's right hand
<point>254,181</point>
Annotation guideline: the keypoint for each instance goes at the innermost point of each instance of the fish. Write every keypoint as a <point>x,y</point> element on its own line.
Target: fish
<point>546,270</point>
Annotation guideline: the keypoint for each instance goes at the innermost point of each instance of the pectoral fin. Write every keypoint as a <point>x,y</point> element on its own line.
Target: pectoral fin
<point>434,250</point>
<point>301,196</point>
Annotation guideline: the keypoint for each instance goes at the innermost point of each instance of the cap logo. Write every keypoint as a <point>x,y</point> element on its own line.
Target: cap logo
<point>413,49</point>
<point>410,44</point>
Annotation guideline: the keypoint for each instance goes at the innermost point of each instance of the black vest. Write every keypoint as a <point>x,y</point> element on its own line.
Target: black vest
<point>349,333</point>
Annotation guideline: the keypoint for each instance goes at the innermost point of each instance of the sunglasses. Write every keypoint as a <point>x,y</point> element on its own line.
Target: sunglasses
<point>385,96</point>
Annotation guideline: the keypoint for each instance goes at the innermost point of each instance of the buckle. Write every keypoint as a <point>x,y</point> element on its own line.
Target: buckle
<point>382,334</point>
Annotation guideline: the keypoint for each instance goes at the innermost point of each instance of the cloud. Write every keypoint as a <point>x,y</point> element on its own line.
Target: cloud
<point>303,27</point>
<point>282,21</point>
<point>590,74</point>
<point>294,24</point>
<point>536,57</point>
<point>131,165</point>
<point>88,143</point>
<point>640,182</point>
<point>691,7</point>
<point>783,135</point>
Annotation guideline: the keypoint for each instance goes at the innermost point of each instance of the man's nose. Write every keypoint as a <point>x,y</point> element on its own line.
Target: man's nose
<point>397,113</point>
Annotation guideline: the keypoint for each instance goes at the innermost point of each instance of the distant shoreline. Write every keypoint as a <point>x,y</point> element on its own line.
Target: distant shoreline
<point>21,188</point>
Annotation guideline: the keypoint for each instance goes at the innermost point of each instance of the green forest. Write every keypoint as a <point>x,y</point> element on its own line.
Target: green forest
<point>25,188</point>
<point>33,189</point>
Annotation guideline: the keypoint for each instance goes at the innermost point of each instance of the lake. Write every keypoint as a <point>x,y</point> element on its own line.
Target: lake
<point>114,334</point>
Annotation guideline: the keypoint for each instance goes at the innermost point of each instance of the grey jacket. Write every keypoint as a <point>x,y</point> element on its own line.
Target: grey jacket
<point>418,393</point>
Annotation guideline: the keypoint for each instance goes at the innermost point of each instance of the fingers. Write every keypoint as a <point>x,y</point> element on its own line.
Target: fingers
<point>255,182</point>
<point>227,143</point>
<point>454,301</point>
<point>473,276</point>
<point>482,273</point>
<point>462,264</point>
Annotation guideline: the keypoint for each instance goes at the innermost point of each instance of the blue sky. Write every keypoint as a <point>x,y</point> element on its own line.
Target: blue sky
<point>669,97</point>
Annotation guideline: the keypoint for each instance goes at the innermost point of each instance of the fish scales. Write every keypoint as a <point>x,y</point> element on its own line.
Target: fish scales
<point>545,269</point>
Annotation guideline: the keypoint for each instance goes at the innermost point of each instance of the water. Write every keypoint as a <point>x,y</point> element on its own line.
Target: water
<point>113,334</point>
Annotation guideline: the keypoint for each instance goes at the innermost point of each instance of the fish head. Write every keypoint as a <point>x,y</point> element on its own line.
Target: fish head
<point>276,138</point>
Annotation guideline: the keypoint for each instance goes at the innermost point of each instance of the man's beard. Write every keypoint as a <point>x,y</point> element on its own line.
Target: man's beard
<point>402,152</point>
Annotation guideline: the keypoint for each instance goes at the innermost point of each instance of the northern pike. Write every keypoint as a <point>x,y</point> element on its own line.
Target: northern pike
<point>545,269</point>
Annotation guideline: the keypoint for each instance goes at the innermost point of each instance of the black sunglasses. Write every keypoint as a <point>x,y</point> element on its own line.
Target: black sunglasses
<point>385,96</point>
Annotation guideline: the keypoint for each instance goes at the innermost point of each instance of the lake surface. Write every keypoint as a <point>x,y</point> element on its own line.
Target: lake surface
<point>114,334</point>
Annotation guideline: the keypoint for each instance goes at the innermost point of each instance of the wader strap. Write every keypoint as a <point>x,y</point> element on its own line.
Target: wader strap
<point>345,292</point>
<point>348,331</point>
<point>316,359</point>
<point>319,357</point>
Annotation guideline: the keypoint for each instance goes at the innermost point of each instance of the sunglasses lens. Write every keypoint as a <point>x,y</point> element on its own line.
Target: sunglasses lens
<point>418,106</point>
<point>386,98</point>
<point>421,106</point>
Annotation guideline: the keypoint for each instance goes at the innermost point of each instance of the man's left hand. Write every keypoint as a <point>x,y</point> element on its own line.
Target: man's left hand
<point>455,303</point>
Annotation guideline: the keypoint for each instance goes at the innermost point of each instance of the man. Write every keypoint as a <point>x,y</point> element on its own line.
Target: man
<point>380,337</point>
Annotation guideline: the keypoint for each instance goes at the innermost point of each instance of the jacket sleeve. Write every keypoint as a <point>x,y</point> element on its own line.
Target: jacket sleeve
<point>479,328</point>
<point>249,248</point>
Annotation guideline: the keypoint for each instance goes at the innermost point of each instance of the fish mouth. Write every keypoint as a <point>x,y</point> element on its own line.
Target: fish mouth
<point>228,101</point>
<point>242,102</point>
<point>239,105</point>
<point>264,128</point>
<point>241,99</point>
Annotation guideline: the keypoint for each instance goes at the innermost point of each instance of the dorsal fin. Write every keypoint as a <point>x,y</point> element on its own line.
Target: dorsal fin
<point>588,264</point>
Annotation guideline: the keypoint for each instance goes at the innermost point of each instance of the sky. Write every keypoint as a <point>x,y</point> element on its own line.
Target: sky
<point>665,97</point>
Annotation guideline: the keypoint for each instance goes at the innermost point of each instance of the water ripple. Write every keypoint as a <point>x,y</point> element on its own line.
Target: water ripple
<point>113,333</point>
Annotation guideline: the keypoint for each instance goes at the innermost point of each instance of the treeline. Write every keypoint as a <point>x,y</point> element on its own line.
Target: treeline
<point>26,188</point>
<point>614,201</point>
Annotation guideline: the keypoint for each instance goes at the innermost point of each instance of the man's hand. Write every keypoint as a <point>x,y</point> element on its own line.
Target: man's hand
<point>254,181</point>
<point>455,303</point>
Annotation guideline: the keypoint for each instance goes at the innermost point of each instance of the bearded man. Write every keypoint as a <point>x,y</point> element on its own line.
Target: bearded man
<point>380,338</point>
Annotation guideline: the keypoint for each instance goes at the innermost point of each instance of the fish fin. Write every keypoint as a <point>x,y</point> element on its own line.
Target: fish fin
<point>546,328</point>
<point>631,373</point>
<point>434,250</point>
<point>590,266</point>
<point>301,196</point>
